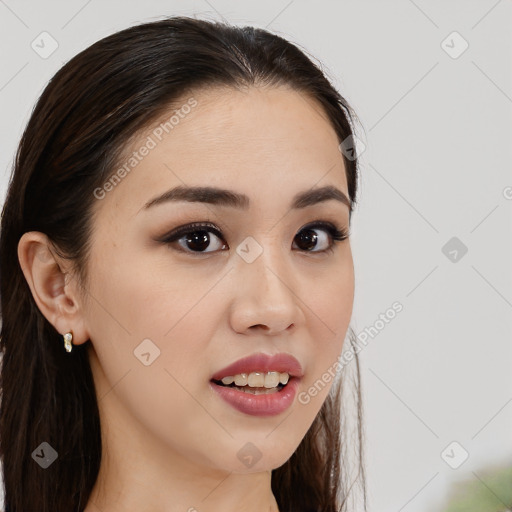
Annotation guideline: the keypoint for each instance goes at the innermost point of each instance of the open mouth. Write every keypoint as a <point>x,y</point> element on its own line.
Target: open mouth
<point>259,390</point>
<point>259,384</point>
<point>262,392</point>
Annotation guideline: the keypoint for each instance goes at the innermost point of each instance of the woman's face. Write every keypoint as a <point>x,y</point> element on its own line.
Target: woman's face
<point>164,316</point>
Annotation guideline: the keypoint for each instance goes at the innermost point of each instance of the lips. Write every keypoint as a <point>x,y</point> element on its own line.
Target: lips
<point>264,363</point>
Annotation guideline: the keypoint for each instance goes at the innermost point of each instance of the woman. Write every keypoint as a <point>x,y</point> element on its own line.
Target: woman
<point>177,280</point>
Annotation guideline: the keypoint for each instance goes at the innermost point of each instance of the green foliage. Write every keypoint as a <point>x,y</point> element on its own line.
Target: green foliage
<point>488,490</point>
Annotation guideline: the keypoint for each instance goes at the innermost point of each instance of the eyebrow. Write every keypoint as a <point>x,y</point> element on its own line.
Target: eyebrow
<point>224,197</point>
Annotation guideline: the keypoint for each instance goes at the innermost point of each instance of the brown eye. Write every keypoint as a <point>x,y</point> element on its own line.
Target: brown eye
<point>309,240</point>
<point>196,238</point>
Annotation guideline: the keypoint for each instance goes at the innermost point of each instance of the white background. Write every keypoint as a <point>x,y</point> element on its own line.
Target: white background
<point>437,132</point>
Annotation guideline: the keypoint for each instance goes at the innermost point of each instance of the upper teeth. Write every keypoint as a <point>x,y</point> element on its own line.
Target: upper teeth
<point>257,379</point>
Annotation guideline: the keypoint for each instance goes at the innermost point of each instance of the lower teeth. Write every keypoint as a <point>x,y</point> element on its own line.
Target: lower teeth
<point>257,391</point>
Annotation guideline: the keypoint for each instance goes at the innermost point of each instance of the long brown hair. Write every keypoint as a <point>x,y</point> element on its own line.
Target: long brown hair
<point>78,129</point>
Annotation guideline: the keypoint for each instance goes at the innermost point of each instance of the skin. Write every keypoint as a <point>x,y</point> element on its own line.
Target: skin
<point>169,442</point>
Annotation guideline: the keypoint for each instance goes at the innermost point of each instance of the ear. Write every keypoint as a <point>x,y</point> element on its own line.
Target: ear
<point>54,288</point>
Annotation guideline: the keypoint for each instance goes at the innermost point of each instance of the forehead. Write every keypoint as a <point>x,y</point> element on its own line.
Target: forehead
<point>267,143</point>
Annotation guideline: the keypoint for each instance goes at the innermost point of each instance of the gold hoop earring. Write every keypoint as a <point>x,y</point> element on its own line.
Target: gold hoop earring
<point>68,338</point>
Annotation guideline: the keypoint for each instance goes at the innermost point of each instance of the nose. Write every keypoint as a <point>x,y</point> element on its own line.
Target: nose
<point>265,299</point>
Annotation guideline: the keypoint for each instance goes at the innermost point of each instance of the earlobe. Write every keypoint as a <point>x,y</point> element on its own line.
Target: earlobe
<point>54,289</point>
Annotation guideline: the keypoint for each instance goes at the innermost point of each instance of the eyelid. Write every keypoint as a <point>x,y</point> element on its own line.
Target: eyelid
<point>324,224</point>
<point>187,228</point>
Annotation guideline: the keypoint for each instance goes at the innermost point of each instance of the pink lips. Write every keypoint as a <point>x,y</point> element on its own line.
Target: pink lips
<point>263,404</point>
<point>264,363</point>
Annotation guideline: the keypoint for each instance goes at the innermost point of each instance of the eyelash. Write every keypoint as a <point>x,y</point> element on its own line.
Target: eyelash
<point>336,234</point>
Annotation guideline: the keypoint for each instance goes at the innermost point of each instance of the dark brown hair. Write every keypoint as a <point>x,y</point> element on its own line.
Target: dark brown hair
<point>79,127</point>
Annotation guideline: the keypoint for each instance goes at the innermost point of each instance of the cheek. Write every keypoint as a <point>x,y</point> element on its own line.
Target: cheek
<point>160,336</point>
<point>146,305</point>
<point>172,317</point>
<point>141,297</point>
<point>329,312</point>
<point>329,299</point>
